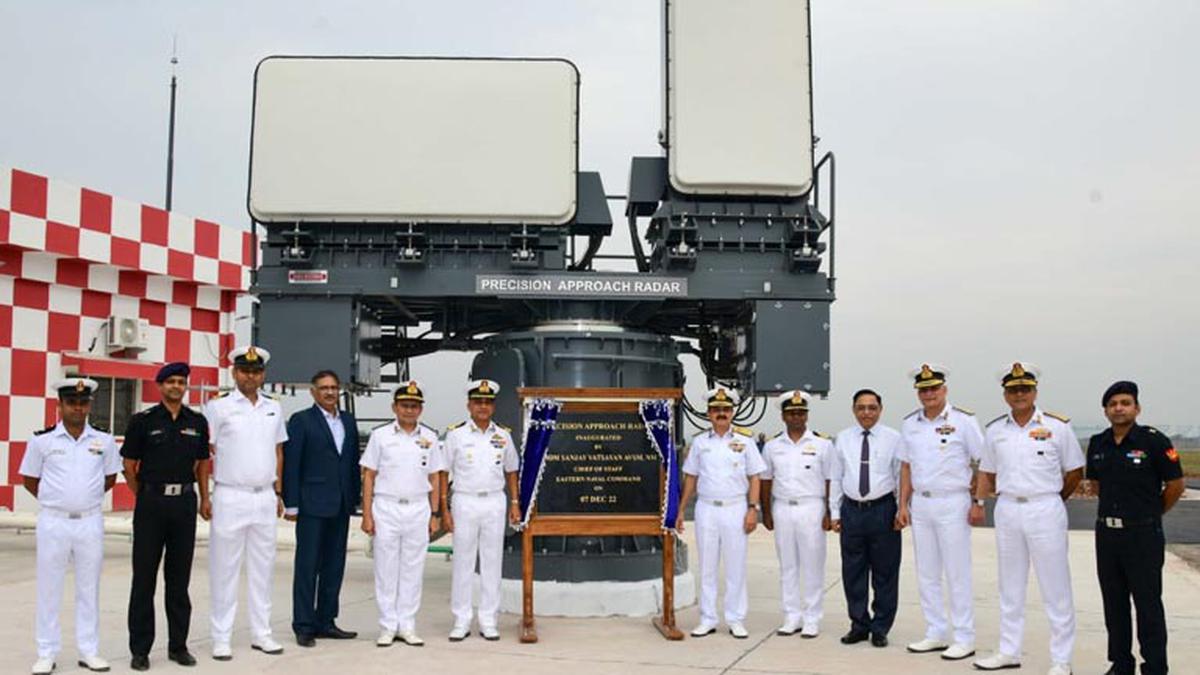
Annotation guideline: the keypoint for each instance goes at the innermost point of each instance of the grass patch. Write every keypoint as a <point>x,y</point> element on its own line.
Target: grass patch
<point>1190,457</point>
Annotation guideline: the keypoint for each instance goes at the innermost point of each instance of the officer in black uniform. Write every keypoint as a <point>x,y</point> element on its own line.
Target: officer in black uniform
<point>165,456</point>
<point>1139,477</point>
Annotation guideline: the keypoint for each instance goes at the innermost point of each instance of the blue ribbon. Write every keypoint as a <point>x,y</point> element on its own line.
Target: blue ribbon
<point>657,416</point>
<point>539,426</point>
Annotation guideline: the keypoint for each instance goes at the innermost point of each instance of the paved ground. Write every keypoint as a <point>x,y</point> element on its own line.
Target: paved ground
<point>582,646</point>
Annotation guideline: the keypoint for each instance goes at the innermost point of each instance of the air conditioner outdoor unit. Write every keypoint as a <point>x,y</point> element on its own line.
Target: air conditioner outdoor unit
<point>127,333</point>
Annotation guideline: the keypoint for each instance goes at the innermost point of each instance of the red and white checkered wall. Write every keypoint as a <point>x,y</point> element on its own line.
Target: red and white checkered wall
<point>71,257</point>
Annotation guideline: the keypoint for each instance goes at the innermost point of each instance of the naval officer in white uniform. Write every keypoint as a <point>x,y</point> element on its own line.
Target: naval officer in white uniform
<point>401,508</point>
<point>68,468</point>
<point>482,460</point>
<point>795,497</point>
<point>1034,461</point>
<point>938,444</point>
<point>247,430</point>
<point>722,469</point>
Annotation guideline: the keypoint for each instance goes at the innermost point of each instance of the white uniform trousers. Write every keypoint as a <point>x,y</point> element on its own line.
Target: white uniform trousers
<point>800,544</point>
<point>942,546</point>
<point>401,540</point>
<point>1037,530</point>
<point>243,523</point>
<point>60,541</point>
<point>720,536</point>
<point>478,531</point>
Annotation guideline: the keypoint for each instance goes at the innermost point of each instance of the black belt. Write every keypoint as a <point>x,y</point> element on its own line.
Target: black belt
<point>167,489</point>
<point>889,497</point>
<point>1110,523</point>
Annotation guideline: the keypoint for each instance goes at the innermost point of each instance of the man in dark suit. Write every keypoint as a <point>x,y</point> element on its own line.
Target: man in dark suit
<point>320,490</point>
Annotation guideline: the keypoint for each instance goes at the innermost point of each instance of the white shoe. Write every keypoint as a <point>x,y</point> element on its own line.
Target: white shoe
<point>43,666</point>
<point>703,629</point>
<point>413,640</point>
<point>927,645</point>
<point>489,633</point>
<point>94,663</point>
<point>958,651</point>
<point>221,651</point>
<point>810,631</point>
<point>458,633</point>
<point>267,645</point>
<point>1059,669</point>
<point>738,631</point>
<point>386,638</point>
<point>789,627</point>
<point>997,661</point>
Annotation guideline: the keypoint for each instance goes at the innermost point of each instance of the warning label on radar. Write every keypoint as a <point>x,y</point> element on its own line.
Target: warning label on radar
<point>589,286</point>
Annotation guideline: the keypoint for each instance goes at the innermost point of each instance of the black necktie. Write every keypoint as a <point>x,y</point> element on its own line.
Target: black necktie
<point>864,467</point>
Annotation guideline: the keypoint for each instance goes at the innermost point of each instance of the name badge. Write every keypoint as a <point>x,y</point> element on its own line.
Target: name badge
<point>96,448</point>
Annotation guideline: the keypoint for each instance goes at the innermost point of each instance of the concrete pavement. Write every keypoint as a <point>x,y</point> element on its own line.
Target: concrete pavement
<point>579,646</point>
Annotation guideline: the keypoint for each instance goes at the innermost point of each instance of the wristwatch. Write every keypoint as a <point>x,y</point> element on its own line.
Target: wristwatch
<point>980,502</point>
<point>756,506</point>
<point>435,514</point>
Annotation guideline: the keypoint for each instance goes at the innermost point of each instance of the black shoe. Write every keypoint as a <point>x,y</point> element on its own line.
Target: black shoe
<point>854,637</point>
<point>1114,670</point>
<point>140,662</point>
<point>306,640</point>
<point>878,640</point>
<point>335,633</point>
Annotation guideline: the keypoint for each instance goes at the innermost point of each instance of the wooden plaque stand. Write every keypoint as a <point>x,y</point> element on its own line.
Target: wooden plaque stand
<point>602,525</point>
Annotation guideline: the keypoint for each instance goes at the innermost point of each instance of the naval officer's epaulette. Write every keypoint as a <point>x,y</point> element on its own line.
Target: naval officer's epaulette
<point>221,395</point>
<point>1061,418</point>
<point>456,425</point>
<point>428,427</point>
<point>380,426</point>
<point>777,435</point>
<point>701,432</point>
<point>743,431</point>
<point>45,431</point>
<point>912,414</point>
<point>267,396</point>
<point>818,434</point>
<point>964,410</point>
<point>996,420</point>
<point>508,429</point>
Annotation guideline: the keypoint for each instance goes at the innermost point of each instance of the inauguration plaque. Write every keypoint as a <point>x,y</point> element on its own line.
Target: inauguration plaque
<point>600,462</point>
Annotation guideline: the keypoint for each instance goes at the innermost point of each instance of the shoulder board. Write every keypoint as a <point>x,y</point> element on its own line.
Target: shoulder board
<point>701,433</point>
<point>380,426</point>
<point>508,429</point>
<point>267,396</point>
<point>743,431</point>
<point>456,425</point>
<point>428,427</point>
<point>1150,430</point>
<point>996,420</point>
<point>964,410</point>
<point>827,437</point>
<point>98,428</point>
<point>777,435</point>
<point>912,414</point>
<point>1061,418</point>
<point>220,395</point>
<point>45,431</point>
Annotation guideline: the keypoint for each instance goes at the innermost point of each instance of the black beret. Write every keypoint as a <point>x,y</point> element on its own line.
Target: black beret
<point>1120,387</point>
<point>176,368</point>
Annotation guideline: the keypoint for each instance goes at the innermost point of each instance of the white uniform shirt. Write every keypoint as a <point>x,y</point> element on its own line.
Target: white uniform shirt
<point>244,435</point>
<point>940,451</point>
<point>71,470</point>
<point>1030,460</point>
<point>884,469</point>
<point>798,468</point>
<point>403,460</point>
<point>723,464</point>
<point>479,458</point>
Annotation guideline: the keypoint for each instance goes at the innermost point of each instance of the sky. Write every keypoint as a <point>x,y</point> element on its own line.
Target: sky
<point>1017,180</point>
